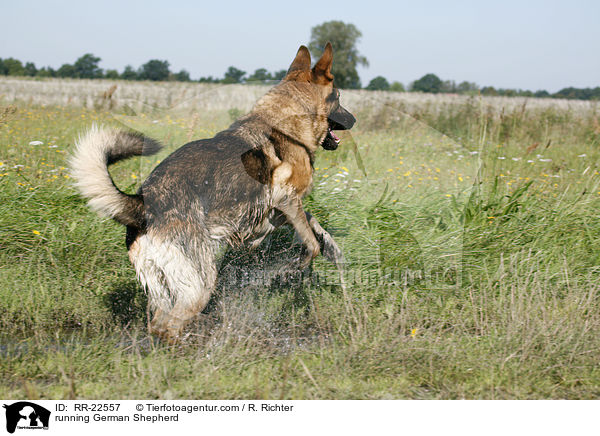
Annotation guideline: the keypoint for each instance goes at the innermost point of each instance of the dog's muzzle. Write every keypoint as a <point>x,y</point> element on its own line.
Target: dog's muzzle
<point>341,119</point>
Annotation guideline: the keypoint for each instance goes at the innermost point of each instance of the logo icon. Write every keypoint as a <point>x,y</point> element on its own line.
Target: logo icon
<point>26,415</point>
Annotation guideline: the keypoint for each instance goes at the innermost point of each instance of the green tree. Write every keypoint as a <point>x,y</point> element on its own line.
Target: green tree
<point>111,74</point>
<point>129,73</point>
<point>579,93</point>
<point>378,83</point>
<point>489,90</point>
<point>3,69</point>
<point>343,38</point>
<point>86,67</point>
<point>155,70</point>
<point>467,87</point>
<point>30,69</point>
<point>507,92</point>
<point>233,75</point>
<point>260,75</point>
<point>182,76</point>
<point>209,79</point>
<point>46,72</point>
<point>542,93</point>
<point>428,83</point>
<point>448,86</point>
<point>14,67</point>
<point>397,87</point>
<point>278,75</point>
<point>66,70</point>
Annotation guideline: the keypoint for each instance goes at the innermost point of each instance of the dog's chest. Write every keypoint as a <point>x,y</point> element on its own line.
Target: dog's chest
<point>302,175</point>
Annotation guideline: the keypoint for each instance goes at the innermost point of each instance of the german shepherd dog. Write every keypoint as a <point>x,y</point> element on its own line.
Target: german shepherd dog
<point>232,189</point>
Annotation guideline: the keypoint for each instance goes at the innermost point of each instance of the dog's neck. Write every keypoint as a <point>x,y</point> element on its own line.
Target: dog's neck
<point>291,110</point>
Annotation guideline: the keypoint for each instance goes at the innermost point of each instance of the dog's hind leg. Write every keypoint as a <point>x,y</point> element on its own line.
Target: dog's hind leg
<point>179,281</point>
<point>191,282</point>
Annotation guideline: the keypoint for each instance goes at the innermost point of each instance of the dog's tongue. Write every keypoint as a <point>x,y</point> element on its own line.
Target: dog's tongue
<point>333,135</point>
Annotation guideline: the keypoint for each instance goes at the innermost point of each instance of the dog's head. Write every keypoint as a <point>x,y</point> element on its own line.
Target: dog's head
<point>338,118</point>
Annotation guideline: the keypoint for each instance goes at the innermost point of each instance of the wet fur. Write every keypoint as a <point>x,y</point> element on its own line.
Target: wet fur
<point>232,189</point>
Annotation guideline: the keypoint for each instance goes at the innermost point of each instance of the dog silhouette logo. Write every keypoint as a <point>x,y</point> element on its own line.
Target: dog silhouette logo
<point>26,415</point>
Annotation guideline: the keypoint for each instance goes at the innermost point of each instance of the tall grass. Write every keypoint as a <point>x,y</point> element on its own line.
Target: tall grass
<point>145,96</point>
<point>472,238</point>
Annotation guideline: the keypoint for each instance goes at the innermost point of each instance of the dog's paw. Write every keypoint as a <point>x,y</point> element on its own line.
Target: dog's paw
<point>167,335</point>
<point>306,257</point>
<point>164,328</point>
<point>305,260</point>
<point>331,251</point>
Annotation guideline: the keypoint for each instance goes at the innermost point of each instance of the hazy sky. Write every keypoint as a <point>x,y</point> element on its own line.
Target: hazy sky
<point>511,44</point>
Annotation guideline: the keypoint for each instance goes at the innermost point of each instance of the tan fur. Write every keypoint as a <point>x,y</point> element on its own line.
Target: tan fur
<point>232,189</point>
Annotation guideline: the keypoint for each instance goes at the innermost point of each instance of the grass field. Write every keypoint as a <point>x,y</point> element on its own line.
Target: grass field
<point>471,230</point>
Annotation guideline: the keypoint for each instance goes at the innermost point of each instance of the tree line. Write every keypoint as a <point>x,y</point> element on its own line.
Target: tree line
<point>86,67</point>
<point>433,84</point>
<point>343,36</point>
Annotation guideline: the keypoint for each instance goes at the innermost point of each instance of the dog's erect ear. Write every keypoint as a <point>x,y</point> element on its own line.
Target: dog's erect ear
<point>301,61</point>
<point>323,66</point>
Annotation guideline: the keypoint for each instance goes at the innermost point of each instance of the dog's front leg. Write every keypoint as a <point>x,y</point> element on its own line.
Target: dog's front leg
<point>288,203</point>
<point>329,247</point>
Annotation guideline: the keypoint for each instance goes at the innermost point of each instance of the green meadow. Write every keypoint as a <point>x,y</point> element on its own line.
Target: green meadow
<point>471,230</point>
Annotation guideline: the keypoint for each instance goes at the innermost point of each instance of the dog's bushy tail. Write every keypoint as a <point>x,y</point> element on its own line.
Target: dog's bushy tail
<point>95,150</point>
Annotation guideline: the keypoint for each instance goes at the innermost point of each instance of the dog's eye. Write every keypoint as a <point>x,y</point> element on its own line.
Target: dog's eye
<point>331,98</point>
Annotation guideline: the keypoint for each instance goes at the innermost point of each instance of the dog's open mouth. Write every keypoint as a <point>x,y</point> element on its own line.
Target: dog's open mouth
<point>331,141</point>
<point>333,136</point>
<point>339,120</point>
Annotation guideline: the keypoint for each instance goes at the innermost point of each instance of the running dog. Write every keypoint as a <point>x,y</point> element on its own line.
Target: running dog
<point>232,189</point>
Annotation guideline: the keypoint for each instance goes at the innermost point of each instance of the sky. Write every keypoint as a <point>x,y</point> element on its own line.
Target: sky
<point>506,44</point>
